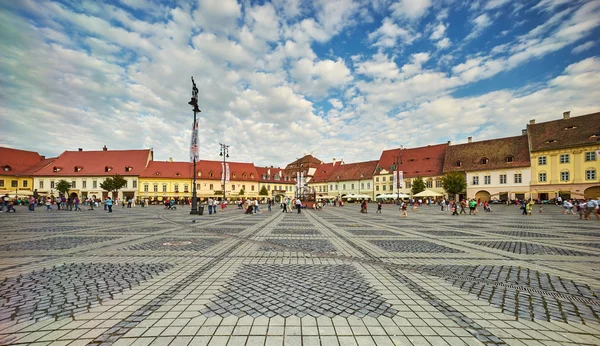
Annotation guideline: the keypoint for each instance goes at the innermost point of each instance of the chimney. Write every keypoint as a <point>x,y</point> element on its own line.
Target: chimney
<point>470,139</point>
<point>333,161</point>
<point>524,132</point>
<point>43,157</point>
<point>80,149</point>
<point>170,159</point>
<point>566,115</point>
<point>449,142</point>
<point>105,148</point>
<point>532,121</point>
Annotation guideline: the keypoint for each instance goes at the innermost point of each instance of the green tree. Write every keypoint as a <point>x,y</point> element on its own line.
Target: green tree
<point>454,183</point>
<point>263,191</point>
<point>114,183</point>
<point>63,186</point>
<point>418,185</point>
<point>241,193</point>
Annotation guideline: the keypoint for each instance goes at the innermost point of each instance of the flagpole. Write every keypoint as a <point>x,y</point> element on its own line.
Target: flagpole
<point>194,149</point>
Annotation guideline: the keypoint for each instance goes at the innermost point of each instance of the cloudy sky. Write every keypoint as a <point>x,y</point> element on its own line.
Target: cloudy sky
<point>339,78</point>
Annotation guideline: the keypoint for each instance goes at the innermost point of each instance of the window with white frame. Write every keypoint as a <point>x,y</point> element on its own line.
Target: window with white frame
<point>564,158</point>
<point>590,156</point>
<point>429,184</point>
<point>542,160</point>
<point>565,176</point>
<point>376,187</point>
<point>383,187</point>
<point>590,174</point>
<point>502,178</point>
<point>164,188</point>
<point>542,178</point>
<point>52,184</point>
<point>155,187</point>
<point>84,184</point>
<point>487,180</point>
<point>438,183</point>
<point>518,178</point>
<point>41,184</point>
<point>145,187</point>
<point>475,180</point>
<point>368,185</point>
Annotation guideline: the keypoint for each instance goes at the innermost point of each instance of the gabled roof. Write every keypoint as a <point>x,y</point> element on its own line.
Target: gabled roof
<point>238,171</point>
<point>414,162</point>
<point>168,169</point>
<point>271,172</point>
<point>324,171</point>
<point>31,170</point>
<point>565,133</point>
<point>18,162</point>
<point>98,163</point>
<point>354,171</point>
<point>495,151</point>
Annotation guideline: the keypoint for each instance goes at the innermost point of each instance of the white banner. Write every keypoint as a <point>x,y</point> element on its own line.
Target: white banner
<point>400,179</point>
<point>226,172</point>
<point>395,179</point>
<point>194,150</point>
<point>297,180</point>
<point>301,180</point>
<point>222,173</point>
<point>598,152</point>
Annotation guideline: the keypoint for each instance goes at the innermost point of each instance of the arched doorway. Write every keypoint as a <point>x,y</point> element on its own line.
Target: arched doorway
<point>482,195</point>
<point>592,192</point>
<point>279,197</point>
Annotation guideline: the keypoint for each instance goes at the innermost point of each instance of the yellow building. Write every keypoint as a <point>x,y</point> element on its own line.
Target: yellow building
<point>564,157</point>
<point>16,167</point>
<point>276,182</point>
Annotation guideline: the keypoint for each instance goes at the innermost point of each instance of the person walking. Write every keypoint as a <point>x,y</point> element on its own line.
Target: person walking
<point>463,205</point>
<point>379,206</point>
<point>32,204</point>
<point>591,207</point>
<point>269,204</point>
<point>77,204</point>
<point>403,207</point>
<point>299,205</point>
<point>108,204</point>
<point>472,204</point>
<point>211,201</point>
<point>256,211</point>
<point>48,204</point>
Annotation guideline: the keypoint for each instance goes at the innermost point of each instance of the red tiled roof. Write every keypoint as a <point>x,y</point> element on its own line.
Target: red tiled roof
<point>496,151</point>
<point>31,170</point>
<point>168,169</point>
<point>324,171</point>
<point>354,171</point>
<point>94,163</point>
<point>565,133</point>
<point>415,162</point>
<point>271,172</point>
<point>237,168</point>
<point>19,161</point>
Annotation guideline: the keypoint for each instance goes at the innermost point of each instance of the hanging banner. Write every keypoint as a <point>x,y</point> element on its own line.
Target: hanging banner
<point>194,152</point>
<point>297,180</point>
<point>396,179</point>
<point>222,173</point>
<point>301,180</point>
<point>226,172</point>
<point>400,179</point>
<point>598,153</point>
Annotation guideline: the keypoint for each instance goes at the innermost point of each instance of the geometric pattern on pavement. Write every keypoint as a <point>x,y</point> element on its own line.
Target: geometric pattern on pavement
<point>525,248</point>
<point>298,290</point>
<point>57,243</point>
<point>422,246</point>
<point>315,245</point>
<point>177,244</point>
<point>62,291</point>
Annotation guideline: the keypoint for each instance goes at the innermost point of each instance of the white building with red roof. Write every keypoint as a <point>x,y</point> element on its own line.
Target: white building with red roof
<point>277,183</point>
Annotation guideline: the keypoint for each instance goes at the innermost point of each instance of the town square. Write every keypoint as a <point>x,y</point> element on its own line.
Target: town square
<point>300,172</point>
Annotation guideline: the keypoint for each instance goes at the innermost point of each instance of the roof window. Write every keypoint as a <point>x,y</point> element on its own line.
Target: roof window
<point>570,127</point>
<point>108,168</point>
<point>510,158</point>
<point>484,161</point>
<point>551,141</point>
<point>6,168</point>
<point>77,168</point>
<point>128,168</point>
<point>177,174</point>
<point>56,169</point>
<point>156,173</point>
<point>411,160</point>
<point>458,163</point>
<point>428,158</point>
<point>251,175</point>
<point>199,173</point>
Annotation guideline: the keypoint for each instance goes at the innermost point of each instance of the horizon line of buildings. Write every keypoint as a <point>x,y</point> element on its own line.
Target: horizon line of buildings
<point>549,159</point>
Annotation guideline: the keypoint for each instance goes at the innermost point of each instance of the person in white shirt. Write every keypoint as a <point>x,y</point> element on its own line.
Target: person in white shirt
<point>591,208</point>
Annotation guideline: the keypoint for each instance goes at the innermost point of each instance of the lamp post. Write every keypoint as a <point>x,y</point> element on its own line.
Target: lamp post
<point>398,163</point>
<point>194,147</point>
<point>225,153</point>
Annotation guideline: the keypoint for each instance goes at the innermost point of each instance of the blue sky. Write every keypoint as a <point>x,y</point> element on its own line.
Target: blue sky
<point>278,79</point>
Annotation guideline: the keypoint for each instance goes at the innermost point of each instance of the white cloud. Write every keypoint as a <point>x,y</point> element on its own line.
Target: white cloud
<point>494,4</point>
<point>411,9</point>
<point>583,47</point>
<point>389,33</point>
<point>443,43</point>
<point>317,78</point>
<point>438,32</point>
<point>480,23</point>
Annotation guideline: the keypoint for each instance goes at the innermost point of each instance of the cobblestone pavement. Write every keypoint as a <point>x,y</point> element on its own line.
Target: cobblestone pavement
<point>146,276</point>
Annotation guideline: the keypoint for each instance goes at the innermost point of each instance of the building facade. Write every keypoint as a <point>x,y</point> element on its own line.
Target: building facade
<point>564,157</point>
<point>494,169</point>
<point>423,162</point>
<point>307,165</point>
<point>87,170</point>
<point>16,167</point>
<point>276,182</point>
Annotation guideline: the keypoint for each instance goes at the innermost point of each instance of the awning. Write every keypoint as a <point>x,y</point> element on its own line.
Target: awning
<point>428,193</point>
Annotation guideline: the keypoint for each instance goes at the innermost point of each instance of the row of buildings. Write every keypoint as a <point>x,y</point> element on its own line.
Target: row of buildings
<point>547,160</point>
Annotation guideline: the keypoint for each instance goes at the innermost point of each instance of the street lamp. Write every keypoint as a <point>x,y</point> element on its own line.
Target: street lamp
<point>225,153</point>
<point>194,147</point>
<point>398,163</point>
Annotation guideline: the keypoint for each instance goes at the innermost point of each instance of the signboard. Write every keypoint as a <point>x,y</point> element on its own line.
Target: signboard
<point>194,150</point>
<point>400,179</point>
<point>396,179</point>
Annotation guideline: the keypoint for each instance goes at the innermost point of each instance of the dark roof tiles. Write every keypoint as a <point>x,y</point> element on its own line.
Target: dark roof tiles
<point>565,133</point>
<point>500,153</point>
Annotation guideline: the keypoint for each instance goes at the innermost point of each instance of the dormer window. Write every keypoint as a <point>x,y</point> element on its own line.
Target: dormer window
<point>233,174</point>
<point>428,158</point>
<point>199,173</point>
<point>6,168</point>
<point>128,168</point>
<point>551,141</point>
<point>56,169</point>
<point>458,164</point>
<point>108,168</point>
<point>177,174</point>
<point>244,175</point>
<point>77,168</point>
<point>393,168</point>
<point>251,175</point>
<point>157,173</point>
<point>510,158</point>
<point>570,127</point>
<point>484,161</point>
<point>211,174</point>
<point>412,160</point>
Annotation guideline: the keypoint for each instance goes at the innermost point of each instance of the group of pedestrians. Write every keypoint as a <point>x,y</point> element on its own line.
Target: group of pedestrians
<point>584,208</point>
